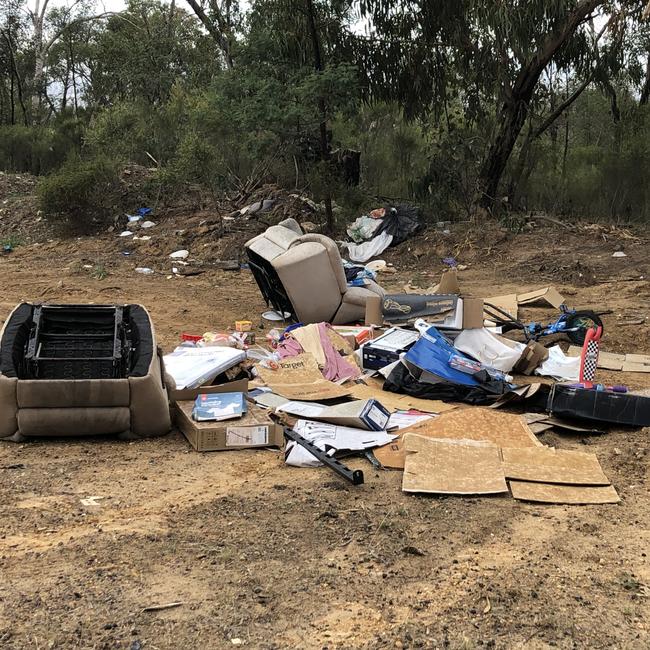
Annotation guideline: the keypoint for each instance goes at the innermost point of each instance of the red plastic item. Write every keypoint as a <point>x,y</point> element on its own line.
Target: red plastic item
<point>589,356</point>
<point>191,337</point>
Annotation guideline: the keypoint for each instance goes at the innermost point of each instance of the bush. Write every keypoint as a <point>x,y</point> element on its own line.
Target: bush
<point>39,149</point>
<point>82,192</point>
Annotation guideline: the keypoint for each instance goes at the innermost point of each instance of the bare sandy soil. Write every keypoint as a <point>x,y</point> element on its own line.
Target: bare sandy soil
<point>265,556</point>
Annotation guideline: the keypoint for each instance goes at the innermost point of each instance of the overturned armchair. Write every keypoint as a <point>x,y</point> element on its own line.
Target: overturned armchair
<point>303,275</point>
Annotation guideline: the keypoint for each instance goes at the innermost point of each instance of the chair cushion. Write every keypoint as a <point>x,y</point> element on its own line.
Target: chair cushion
<point>66,393</point>
<point>72,422</point>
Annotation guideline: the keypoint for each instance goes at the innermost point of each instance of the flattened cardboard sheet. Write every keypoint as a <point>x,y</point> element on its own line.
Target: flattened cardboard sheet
<point>629,366</point>
<point>566,494</point>
<point>470,424</point>
<point>613,361</point>
<point>548,465</point>
<point>501,429</point>
<point>507,303</point>
<point>452,467</point>
<point>547,294</point>
<point>299,378</point>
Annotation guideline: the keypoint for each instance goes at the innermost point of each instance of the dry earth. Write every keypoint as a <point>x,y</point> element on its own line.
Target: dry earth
<point>264,556</point>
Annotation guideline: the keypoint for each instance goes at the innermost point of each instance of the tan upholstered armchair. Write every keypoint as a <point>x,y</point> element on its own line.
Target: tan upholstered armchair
<point>303,274</point>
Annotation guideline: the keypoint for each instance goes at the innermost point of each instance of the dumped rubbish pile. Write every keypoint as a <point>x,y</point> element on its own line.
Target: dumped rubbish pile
<point>380,229</point>
<point>450,389</point>
<point>449,401</point>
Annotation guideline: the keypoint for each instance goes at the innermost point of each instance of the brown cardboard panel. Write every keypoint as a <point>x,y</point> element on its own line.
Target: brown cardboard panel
<point>470,424</point>
<point>547,294</point>
<point>539,427</point>
<point>452,467</point>
<point>634,367</point>
<point>448,283</point>
<point>531,357</point>
<point>397,402</point>
<point>299,378</point>
<point>507,303</point>
<point>472,313</point>
<point>253,429</point>
<point>548,465</point>
<point>567,494</point>
<point>638,358</point>
<point>374,311</point>
<point>474,423</point>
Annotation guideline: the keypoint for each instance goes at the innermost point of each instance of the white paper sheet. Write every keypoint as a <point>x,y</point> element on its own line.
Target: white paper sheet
<point>402,420</point>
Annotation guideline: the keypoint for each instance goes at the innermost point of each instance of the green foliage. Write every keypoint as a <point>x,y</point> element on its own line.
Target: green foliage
<point>82,192</point>
<point>39,149</point>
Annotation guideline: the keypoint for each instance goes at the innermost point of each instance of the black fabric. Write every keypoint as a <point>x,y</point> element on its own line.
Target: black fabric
<point>16,336</point>
<point>269,284</point>
<point>351,272</point>
<point>14,340</point>
<point>142,337</point>
<point>400,380</point>
<point>402,222</point>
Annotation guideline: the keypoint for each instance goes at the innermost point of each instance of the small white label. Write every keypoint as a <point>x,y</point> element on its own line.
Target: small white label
<point>247,436</point>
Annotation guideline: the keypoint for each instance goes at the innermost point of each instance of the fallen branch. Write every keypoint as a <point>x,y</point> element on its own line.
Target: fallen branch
<point>543,217</point>
<point>158,608</point>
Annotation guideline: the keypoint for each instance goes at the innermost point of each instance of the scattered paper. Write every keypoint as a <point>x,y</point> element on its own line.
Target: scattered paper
<point>403,420</point>
<point>559,366</point>
<point>194,367</point>
<point>330,438</point>
<point>619,254</point>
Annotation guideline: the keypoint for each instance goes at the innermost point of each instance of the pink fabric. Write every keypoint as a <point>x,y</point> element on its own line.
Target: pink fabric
<point>336,367</point>
<point>289,347</point>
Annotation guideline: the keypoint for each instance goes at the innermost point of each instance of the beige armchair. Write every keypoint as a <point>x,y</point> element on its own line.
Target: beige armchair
<point>303,274</point>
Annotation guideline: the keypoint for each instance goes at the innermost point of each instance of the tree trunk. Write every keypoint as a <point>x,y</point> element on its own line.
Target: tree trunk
<point>645,91</point>
<point>514,110</point>
<point>217,31</point>
<point>39,61</point>
<point>322,109</point>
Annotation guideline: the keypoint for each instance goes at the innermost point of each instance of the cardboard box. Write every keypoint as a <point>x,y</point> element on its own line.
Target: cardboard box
<point>532,356</point>
<point>254,429</point>
<point>472,313</point>
<point>374,311</point>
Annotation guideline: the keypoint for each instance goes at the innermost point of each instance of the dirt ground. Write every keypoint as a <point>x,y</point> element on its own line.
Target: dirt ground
<point>265,556</point>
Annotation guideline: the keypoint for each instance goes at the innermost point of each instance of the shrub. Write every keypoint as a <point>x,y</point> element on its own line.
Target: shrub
<point>84,193</point>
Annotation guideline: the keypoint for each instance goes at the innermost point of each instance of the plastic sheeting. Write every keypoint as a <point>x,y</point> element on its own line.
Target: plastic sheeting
<point>368,250</point>
<point>559,366</point>
<point>488,349</point>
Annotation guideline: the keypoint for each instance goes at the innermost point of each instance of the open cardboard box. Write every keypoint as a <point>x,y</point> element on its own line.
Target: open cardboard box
<point>255,429</point>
